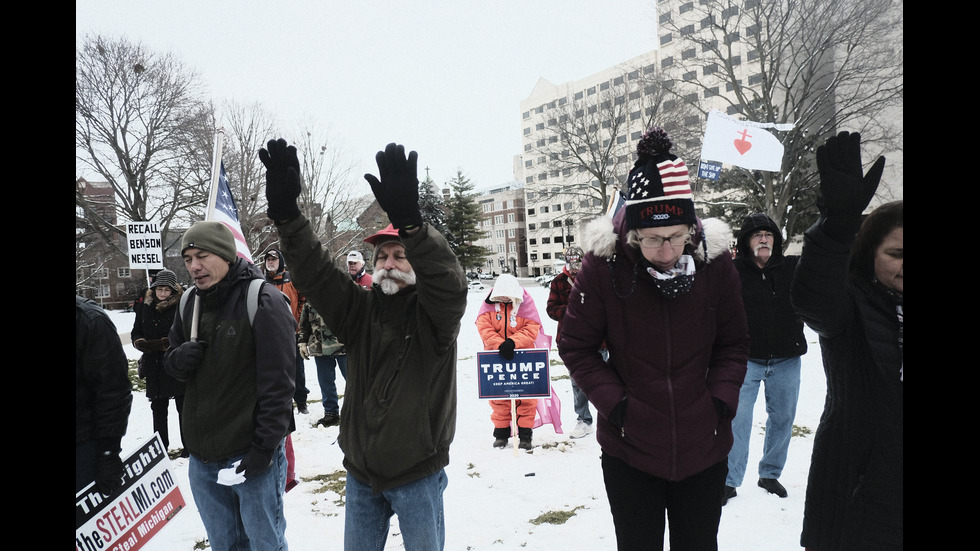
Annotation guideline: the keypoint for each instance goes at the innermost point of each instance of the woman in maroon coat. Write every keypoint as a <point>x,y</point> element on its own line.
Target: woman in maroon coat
<point>658,286</point>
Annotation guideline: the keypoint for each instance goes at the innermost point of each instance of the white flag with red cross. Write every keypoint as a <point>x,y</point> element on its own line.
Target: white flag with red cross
<point>742,143</point>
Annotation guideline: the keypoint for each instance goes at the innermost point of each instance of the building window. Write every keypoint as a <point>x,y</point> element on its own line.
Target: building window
<point>122,272</point>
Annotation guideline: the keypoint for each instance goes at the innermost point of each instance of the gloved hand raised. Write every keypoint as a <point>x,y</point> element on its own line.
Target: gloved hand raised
<point>282,181</point>
<point>185,359</point>
<point>506,349</point>
<point>398,190</point>
<point>255,462</point>
<point>845,190</point>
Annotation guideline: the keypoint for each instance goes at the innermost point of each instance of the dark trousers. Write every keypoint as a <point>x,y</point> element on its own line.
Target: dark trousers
<point>161,410</point>
<point>301,391</point>
<point>638,501</point>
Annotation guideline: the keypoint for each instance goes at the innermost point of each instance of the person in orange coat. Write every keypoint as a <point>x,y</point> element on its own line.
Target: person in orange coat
<point>504,329</point>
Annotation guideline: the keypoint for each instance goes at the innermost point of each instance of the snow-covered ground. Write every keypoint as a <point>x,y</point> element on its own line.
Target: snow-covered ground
<point>495,498</point>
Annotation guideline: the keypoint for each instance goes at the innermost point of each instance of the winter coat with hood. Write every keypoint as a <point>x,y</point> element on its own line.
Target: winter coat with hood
<point>241,394</point>
<point>855,491</point>
<point>668,393</point>
<point>284,283</point>
<point>151,335</point>
<point>399,412</point>
<point>776,330</point>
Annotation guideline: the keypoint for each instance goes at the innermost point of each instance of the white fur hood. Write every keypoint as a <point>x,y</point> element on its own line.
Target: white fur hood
<point>602,234</point>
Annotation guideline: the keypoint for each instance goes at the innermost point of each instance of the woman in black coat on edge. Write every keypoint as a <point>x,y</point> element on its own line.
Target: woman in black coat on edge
<point>153,320</point>
<point>849,289</point>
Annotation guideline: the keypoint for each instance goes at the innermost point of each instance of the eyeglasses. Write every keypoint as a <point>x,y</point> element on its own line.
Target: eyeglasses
<point>656,242</point>
<point>762,235</point>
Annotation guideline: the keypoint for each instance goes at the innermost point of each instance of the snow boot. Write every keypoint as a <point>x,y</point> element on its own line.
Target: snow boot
<point>500,437</point>
<point>524,435</point>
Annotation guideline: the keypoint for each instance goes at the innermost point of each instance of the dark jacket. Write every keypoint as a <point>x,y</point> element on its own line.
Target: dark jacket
<point>151,336</point>
<point>103,393</point>
<point>669,360</point>
<point>776,330</point>
<point>558,293</point>
<point>241,394</point>
<point>399,412</point>
<point>854,495</point>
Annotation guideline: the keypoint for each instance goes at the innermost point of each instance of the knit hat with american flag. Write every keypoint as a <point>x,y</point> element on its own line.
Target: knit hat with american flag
<point>658,191</point>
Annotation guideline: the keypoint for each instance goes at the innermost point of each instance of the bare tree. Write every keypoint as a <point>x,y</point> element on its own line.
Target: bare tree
<point>138,118</point>
<point>249,129</point>
<point>821,65</point>
<point>330,197</point>
<point>589,138</point>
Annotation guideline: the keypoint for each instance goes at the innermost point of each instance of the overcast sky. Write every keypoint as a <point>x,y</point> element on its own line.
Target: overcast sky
<point>443,78</point>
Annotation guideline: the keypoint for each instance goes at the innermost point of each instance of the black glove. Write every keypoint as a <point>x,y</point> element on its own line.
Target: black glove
<point>506,349</point>
<point>108,466</point>
<point>398,190</point>
<point>185,359</point>
<point>141,345</point>
<point>255,462</point>
<point>282,182</point>
<point>845,190</point>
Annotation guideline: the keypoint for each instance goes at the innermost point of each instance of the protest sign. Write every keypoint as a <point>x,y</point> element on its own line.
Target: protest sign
<point>148,499</point>
<point>525,376</point>
<point>145,246</point>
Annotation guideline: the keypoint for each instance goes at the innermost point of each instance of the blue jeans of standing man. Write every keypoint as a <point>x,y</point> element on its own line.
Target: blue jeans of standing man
<point>326,374</point>
<point>782,391</point>
<point>419,508</point>
<point>243,516</point>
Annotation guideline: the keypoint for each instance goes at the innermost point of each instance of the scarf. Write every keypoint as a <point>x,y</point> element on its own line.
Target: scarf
<point>896,298</point>
<point>676,281</point>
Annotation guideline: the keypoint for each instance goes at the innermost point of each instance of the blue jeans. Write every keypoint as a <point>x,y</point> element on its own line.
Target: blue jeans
<point>782,382</point>
<point>419,508</point>
<point>581,404</point>
<point>326,375</point>
<point>244,516</point>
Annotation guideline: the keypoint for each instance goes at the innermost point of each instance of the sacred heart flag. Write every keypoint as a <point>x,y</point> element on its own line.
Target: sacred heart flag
<point>740,143</point>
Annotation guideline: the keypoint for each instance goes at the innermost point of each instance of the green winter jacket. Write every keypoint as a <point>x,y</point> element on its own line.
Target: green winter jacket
<point>399,412</point>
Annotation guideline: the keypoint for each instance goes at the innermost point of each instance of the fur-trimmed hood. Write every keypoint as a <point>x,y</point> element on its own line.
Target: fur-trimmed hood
<point>150,299</point>
<point>606,237</point>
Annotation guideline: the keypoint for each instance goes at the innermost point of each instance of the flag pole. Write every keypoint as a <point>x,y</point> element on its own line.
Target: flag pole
<point>208,214</point>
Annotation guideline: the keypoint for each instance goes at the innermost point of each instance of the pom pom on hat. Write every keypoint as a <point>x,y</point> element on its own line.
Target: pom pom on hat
<point>658,191</point>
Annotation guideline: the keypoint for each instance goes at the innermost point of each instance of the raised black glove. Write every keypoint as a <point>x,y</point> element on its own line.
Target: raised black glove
<point>282,181</point>
<point>255,462</point>
<point>185,359</point>
<point>845,190</point>
<point>108,466</point>
<point>398,190</point>
<point>506,349</point>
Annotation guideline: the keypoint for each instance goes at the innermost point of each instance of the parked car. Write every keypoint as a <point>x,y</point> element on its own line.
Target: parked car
<point>487,276</point>
<point>472,275</point>
<point>476,285</point>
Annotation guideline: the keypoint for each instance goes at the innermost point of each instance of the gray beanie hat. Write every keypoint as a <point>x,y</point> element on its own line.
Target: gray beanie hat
<point>210,236</point>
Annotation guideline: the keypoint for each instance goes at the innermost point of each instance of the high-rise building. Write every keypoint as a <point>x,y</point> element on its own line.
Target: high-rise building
<point>504,230</point>
<point>578,139</point>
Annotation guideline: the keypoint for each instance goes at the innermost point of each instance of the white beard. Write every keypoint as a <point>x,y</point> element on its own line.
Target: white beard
<point>386,279</point>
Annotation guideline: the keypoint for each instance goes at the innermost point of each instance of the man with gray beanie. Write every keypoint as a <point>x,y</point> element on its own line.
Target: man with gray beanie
<point>238,403</point>
<point>399,412</point>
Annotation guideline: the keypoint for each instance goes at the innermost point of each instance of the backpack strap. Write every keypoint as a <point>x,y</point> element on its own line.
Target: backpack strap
<point>251,299</point>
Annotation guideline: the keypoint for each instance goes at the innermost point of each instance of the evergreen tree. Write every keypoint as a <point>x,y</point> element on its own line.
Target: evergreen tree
<point>463,223</point>
<point>431,205</point>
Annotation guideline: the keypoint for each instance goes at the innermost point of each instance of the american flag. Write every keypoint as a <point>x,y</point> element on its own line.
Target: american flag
<point>226,212</point>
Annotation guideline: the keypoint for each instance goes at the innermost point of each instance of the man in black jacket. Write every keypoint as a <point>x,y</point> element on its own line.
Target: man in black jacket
<point>239,368</point>
<point>774,356</point>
